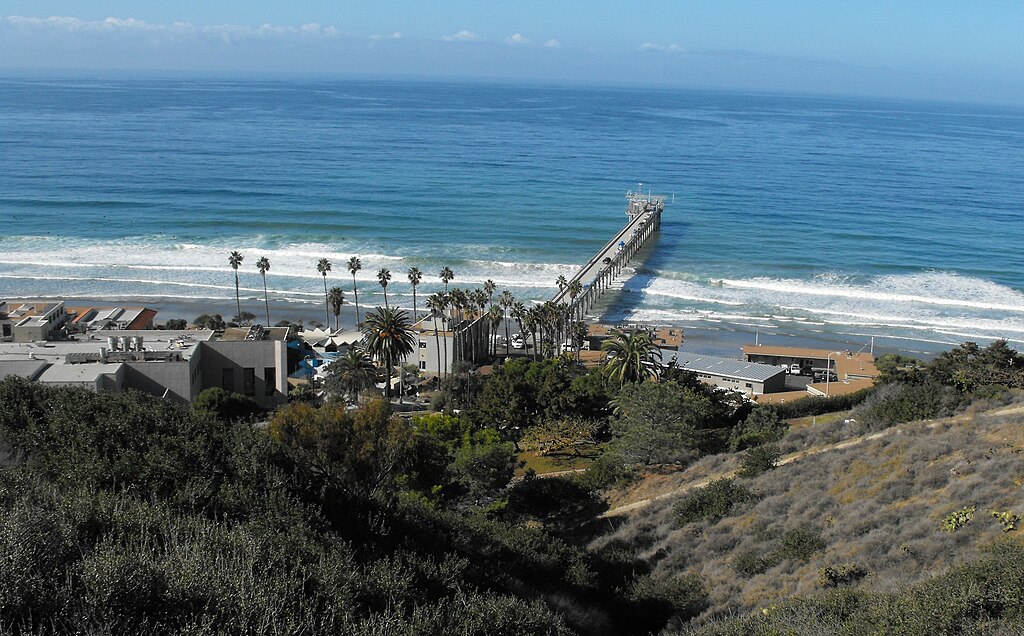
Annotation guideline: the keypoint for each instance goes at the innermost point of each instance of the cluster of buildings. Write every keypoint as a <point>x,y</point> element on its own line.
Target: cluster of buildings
<point>774,374</point>
<point>117,348</point>
<point>99,349</point>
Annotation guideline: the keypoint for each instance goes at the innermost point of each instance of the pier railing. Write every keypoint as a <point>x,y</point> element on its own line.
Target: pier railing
<point>596,276</point>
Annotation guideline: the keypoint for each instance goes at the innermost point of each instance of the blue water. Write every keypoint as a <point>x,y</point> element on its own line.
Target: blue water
<point>791,213</point>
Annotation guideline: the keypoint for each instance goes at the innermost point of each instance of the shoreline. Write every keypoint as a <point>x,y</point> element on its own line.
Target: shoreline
<point>724,340</point>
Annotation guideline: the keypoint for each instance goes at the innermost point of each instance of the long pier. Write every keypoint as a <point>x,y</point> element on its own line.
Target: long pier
<point>644,212</point>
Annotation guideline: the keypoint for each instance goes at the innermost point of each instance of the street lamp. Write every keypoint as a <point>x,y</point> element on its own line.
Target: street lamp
<point>828,369</point>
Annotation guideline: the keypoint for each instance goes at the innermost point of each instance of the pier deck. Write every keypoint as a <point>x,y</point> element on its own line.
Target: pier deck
<point>644,212</point>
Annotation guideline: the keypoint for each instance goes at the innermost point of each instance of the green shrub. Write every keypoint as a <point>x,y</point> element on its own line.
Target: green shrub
<point>560,503</point>
<point>800,543</point>
<point>749,563</point>
<point>898,403</point>
<point>226,406</point>
<point>1008,519</point>
<point>843,573</point>
<point>759,460</point>
<point>660,597</point>
<point>711,502</point>
<point>607,471</point>
<point>762,425</point>
<point>809,406</point>
<point>958,519</point>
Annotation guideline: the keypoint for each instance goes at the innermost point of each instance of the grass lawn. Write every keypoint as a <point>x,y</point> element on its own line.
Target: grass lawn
<point>555,462</point>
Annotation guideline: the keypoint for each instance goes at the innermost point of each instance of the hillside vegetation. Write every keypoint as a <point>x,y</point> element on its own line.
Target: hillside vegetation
<point>868,516</point>
<point>122,514</point>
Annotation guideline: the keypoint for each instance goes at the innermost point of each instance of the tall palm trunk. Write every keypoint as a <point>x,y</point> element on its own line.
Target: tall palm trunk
<point>266,299</point>
<point>446,351</point>
<point>355,293</point>
<point>238,302</point>
<point>437,342</point>
<point>327,304</point>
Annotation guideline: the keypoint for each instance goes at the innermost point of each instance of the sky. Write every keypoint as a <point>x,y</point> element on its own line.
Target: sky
<point>938,49</point>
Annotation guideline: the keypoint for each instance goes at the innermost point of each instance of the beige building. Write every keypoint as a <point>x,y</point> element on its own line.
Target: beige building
<point>32,320</point>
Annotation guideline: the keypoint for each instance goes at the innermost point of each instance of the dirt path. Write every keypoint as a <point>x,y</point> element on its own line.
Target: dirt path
<point>817,450</point>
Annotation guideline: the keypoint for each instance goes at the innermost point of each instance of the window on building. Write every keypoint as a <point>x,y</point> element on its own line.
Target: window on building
<point>7,330</point>
<point>423,344</point>
<point>249,380</point>
<point>227,379</point>
<point>269,380</point>
<point>749,385</point>
<point>423,365</point>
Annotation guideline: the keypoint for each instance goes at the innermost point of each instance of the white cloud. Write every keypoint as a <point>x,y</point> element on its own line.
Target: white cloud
<point>671,48</point>
<point>225,32</point>
<point>517,38</point>
<point>553,44</point>
<point>397,35</point>
<point>462,36</point>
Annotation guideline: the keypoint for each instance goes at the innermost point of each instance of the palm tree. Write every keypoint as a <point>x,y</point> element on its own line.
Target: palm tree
<point>518,314</point>
<point>336,298</point>
<point>234,260</point>
<point>561,282</point>
<point>354,265</point>
<point>415,276</point>
<point>494,317</point>
<point>389,338</point>
<point>489,289</point>
<point>445,302</point>
<point>435,303</point>
<point>263,264</point>
<point>506,300</point>
<point>446,276</point>
<point>579,334</point>
<point>479,297</point>
<point>575,288</point>
<point>459,303</point>
<point>534,320</point>
<point>634,357</point>
<point>323,266</point>
<point>352,373</point>
<point>383,277</point>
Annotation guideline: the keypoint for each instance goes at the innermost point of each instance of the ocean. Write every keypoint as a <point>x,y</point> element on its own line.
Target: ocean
<point>829,218</point>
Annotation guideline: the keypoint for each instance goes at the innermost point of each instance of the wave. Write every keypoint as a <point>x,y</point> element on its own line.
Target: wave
<point>926,302</point>
<point>956,290</point>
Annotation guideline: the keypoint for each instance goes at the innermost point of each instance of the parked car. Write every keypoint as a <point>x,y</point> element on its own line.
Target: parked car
<point>795,369</point>
<point>822,376</point>
<point>518,342</point>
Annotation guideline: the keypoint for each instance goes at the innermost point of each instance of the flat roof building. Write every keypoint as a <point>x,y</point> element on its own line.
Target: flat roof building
<point>747,377</point>
<point>174,365</point>
<point>847,365</point>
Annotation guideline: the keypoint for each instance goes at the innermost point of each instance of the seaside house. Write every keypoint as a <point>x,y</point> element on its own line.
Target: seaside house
<point>31,321</point>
